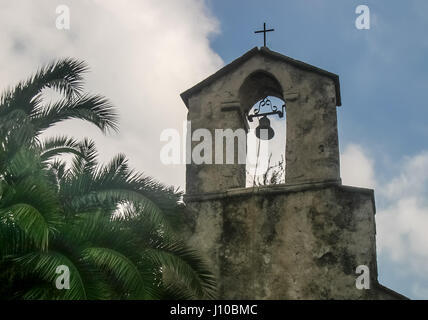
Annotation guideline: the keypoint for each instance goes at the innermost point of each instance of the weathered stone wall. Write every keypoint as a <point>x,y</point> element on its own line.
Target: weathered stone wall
<point>287,242</point>
<point>211,114</point>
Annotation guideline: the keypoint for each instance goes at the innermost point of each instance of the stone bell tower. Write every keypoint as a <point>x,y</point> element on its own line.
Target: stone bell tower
<point>303,239</point>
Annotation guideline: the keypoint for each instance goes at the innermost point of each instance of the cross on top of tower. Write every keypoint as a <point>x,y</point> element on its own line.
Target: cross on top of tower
<point>264,32</point>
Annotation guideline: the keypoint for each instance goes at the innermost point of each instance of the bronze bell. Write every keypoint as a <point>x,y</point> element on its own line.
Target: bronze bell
<point>267,133</point>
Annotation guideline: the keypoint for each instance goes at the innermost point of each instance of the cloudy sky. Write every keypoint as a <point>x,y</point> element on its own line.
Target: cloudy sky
<point>143,54</point>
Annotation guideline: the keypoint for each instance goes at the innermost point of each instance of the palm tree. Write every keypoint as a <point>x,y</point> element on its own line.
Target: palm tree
<point>108,224</point>
<point>24,112</point>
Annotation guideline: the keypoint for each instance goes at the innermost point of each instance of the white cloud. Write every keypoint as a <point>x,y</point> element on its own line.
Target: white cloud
<point>356,167</point>
<point>402,220</point>
<point>142,55</point>
<point>403,224</point>
<point>411,180</point>
<point>402,232</point>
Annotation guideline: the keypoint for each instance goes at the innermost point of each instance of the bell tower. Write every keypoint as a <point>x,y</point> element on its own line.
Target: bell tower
<point>303,239</point>
<point>222,101</point>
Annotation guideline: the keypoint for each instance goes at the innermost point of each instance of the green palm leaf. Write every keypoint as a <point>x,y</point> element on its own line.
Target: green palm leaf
<point>186,265</point>
<point>44,265</point>
<point>94,109</point>
<point>118,265</point>
<point>63,75</point>
<point>55,146</point>
<point>31,221</point>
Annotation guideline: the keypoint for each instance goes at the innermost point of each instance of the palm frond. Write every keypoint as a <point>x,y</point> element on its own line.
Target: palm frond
<point>31,221</point>
<point>86,160</point>
<point>44,265</point>
<point>118,265</point>
<point>187,265</point>
<point>63,75</point>
<point>54,146</point>
<point>92,108</point>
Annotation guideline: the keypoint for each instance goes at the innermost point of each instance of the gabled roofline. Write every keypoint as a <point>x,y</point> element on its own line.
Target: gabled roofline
<point>391,292</point>
<point>266,52</point>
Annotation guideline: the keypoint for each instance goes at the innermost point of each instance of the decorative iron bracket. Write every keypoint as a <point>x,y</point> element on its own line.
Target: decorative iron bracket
<point>274,110</point>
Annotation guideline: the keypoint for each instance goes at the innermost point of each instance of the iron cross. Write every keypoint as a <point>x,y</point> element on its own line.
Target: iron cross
<point>264,32</point>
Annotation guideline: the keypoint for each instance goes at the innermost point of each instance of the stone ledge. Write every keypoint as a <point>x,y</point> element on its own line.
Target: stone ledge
<point>274,189</point>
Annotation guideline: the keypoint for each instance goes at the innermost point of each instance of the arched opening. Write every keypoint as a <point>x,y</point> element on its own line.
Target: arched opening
<point>261,98</point>
<point>265,163</point>
<point>258,85</point>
